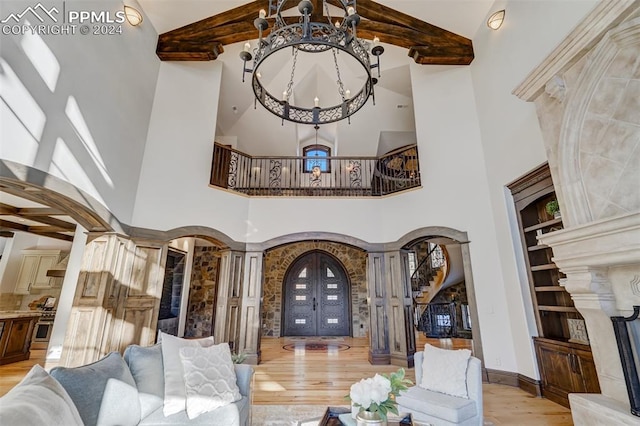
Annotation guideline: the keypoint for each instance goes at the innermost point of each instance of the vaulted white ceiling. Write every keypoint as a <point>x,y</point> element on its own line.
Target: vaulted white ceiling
<point>374,129</point>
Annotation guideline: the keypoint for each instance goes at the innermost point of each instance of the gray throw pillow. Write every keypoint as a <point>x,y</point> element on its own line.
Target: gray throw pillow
<point>104,392</point>
<point>147,370</point>
<point>38,400</point>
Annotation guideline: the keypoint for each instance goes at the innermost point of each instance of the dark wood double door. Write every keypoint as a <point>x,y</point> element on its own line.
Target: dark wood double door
<point>316,297</point>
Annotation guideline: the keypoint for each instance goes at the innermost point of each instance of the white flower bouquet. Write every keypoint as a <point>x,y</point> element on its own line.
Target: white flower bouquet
<point>378,393</point>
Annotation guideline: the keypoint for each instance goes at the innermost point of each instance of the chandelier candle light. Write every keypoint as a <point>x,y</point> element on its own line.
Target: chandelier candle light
<point>375,397</point>
<point>311,37</point>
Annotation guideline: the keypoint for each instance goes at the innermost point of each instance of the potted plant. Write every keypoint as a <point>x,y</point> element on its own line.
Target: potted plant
<point>375,397</point>
<point>553,209</point>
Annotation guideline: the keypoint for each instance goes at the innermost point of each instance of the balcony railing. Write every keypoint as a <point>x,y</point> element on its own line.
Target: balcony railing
<point>315,176</point>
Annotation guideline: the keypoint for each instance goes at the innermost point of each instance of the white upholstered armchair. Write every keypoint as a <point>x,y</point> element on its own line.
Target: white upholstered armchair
<point>442,395</point>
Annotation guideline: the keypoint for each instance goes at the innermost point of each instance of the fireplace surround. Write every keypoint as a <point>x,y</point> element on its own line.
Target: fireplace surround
<point>627,331</point>
<point>587,97</point>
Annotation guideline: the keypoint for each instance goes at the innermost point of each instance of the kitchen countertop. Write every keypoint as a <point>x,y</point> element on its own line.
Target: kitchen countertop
<point>19,314</point>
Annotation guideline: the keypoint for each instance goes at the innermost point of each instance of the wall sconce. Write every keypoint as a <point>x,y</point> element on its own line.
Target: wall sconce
<point>133,16</point>
<point>495,20</point>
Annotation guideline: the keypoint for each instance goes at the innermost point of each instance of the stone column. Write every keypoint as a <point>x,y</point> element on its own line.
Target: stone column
<point>249,339</point>
<point>593,296</point>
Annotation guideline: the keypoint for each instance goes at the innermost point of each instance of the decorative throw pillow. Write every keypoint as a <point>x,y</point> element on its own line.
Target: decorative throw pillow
<point>104,392</point>
<point>209,377</point>
<point>174,390</point>
<point>38,400</point>
<point>445,370</point>
<point>147,370</point>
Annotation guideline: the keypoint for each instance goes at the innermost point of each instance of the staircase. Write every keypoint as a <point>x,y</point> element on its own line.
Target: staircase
<point>429,274</point>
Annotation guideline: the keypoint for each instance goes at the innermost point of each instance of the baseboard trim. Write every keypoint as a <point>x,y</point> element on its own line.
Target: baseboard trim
<point>379,358</point>
<point>502,377</point>
<point>529,385</point>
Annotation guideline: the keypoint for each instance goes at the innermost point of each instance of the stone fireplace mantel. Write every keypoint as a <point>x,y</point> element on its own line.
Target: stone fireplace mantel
<point>587,98</point>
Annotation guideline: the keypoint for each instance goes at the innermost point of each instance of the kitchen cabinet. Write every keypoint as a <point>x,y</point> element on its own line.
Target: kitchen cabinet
<point>15,336</point>
<point>33,270</point>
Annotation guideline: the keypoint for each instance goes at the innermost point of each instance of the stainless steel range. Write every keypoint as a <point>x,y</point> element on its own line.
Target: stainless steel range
<point>42,331</point>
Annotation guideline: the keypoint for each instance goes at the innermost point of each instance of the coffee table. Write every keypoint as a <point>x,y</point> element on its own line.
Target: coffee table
<point>332,418</point>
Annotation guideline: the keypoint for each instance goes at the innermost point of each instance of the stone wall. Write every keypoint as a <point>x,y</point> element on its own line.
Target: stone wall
<point>278,260</point>
<point>202,294</point>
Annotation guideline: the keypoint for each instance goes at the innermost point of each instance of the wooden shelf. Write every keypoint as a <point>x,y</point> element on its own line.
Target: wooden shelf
<point>538,247</point>
<point>568,309</point>
<point>558,357</point>
<point>543,225</point>
<point>549,288</point>
<point>545,267</point>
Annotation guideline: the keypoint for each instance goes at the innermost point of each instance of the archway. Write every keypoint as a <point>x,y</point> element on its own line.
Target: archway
<point>459,238</point>
<point>316,297</point>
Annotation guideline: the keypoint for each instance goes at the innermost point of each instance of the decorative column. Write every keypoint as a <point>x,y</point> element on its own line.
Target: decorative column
<point>249,339</point>
<point>601,260</point>
<point>391,310</point>
<point>117,298</point>
<point>402,341</point>
<point>593,296</point>
<point>376,284</point>
<point>227,321</point>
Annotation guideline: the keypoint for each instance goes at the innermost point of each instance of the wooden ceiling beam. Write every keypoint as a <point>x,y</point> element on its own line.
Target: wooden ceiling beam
<point>7,224</point>
<point>54,235</point>
<point>246,12</point>
<point>41,211</point>
<point>428,44</point>
<point>86,218</point>
<point>243,29</point>
<point>402,36</point>
<point>51,221</point>
<point>426,55</point>
<point>380,13</point>
<point>188,51</point>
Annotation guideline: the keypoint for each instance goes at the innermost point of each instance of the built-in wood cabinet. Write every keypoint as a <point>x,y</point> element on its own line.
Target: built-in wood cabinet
<point>15,338</point>
<point>565,368</point>
<point>562,346</point>
<point>33,270</point>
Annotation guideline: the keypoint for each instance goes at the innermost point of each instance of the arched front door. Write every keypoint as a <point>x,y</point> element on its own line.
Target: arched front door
<point>316,297</point>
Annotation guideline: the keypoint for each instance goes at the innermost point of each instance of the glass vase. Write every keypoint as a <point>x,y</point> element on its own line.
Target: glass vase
<point>368,418</point>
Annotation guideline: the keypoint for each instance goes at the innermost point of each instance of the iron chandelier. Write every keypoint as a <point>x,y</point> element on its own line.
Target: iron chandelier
<point>311,37</point>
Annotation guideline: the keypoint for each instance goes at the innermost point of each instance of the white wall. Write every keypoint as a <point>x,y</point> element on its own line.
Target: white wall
<point>78,106</point>
<point>173,189</point>
<point>474,138</point>
<point>511,138</point>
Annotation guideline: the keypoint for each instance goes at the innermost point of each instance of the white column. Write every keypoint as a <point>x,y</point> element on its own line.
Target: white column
<point>65,300</point>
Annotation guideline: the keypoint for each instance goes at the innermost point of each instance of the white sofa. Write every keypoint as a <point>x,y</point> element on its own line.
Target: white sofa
<point>440,409</point>
<point>115,390</point>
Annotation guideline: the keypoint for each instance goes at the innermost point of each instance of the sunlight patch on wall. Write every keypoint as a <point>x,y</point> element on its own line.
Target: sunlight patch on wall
<point>17,143</point>
<point>16,96</point>
<point>80,125</point>
<point>42,58</point>
<point>65,166</point>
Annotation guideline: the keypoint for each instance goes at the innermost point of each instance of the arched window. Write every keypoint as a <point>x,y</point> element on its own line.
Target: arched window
<point>316,156</point>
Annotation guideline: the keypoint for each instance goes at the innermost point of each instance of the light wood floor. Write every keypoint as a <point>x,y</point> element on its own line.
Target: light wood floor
<point>324,378</point>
